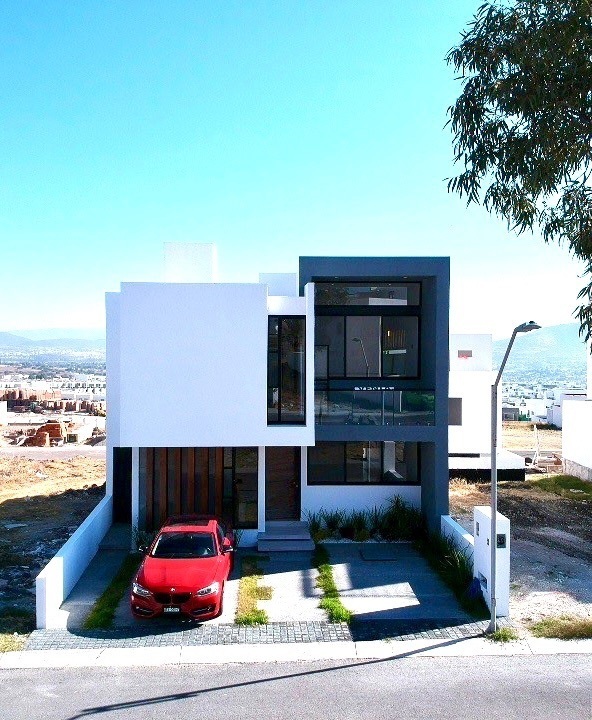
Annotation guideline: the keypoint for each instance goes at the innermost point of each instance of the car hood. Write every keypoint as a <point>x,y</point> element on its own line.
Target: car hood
<point>161,574</point>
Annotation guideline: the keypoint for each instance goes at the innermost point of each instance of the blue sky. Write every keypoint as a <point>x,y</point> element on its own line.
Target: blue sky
<point>273,129</point>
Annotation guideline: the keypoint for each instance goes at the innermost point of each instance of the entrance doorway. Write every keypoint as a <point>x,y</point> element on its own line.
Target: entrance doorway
<point>282,483</point>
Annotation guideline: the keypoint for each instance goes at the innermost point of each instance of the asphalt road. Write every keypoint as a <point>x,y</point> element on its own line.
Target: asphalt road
<point>497,688</point>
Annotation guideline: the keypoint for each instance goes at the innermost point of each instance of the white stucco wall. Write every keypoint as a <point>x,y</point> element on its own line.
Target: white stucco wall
<point>577,432</point>
<point>193,366</point>
<point>474,435</point>
<point>480,345</point>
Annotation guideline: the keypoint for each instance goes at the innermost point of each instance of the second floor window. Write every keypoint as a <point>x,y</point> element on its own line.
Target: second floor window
<point>286,371</point>
<point>366,346</point>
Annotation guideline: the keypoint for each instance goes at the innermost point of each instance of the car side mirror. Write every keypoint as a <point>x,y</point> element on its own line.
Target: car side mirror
<point>227,546</point>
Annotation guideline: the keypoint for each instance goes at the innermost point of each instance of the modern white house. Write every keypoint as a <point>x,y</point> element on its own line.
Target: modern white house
<point>577,432</point>
<point>469,432</point>
<point>263,401</point>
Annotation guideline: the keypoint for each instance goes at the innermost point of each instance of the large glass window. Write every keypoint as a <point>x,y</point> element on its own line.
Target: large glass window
<point>362,346</point>
<point>358,463</point>
<point>400,341</point>
<point>367,293</point>
<point>366,346</point>
<point>329,339</point>
<point>285,370</point>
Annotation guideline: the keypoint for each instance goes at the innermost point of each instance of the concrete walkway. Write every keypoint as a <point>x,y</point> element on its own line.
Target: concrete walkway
<point>386,582</point>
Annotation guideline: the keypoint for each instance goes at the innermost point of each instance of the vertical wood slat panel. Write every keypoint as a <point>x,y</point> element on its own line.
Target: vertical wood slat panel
<point>219,473</point>
<point>204,480</point>
<point>176,479</point>
<point>162,490</point>
<point>190,480</point>
<point>149,488</point>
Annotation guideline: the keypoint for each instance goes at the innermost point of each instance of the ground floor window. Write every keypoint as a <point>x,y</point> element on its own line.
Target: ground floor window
<point>363,462</point>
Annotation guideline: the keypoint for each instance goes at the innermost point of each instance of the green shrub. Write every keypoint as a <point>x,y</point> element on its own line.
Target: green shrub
<point>333,520</point>
<point>401,521</point>
<point>455,568</point>
<point>504,635</point>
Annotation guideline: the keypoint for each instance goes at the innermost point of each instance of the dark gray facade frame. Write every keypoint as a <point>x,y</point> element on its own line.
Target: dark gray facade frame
<point>434,274</point>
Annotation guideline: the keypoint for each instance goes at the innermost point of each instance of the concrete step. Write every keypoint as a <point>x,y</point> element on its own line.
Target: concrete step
<point>285,536</point>
<point>284,545</point>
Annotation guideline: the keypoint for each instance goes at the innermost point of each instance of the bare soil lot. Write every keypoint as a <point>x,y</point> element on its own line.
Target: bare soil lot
<point>551,545</point>
<point>42,502</point>
<point>520,436</point>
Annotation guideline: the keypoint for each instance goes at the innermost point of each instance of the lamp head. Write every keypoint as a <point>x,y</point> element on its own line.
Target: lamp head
<point>527,327</point>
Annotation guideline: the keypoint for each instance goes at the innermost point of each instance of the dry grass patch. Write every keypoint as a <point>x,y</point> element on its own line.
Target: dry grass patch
<point>15,626</point>
<point>565,627</point>
<point>22,478</point>
<point>249,592</point>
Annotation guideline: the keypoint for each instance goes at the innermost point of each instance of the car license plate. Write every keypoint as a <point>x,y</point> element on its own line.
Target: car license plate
<point>172,610</point>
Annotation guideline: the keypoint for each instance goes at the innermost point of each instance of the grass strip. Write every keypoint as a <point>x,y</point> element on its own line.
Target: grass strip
<point>566,486</point>
<point>15,626</point>
<point>331,602</point>
<point>564,627</point>
<point>455,568</point>
<point>249,592</point>
<point>103,611</point>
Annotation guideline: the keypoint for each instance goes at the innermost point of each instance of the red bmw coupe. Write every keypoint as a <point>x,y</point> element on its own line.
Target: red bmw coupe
<point>184,569</point>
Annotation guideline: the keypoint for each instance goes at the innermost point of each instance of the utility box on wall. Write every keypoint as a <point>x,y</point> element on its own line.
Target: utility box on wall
<point>482,558</point>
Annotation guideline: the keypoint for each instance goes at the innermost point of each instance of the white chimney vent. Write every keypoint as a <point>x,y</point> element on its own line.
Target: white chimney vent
<point>190,262</point>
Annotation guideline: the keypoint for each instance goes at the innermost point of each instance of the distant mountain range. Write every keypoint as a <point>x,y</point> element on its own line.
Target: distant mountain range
<point>19,342</point>
<point>551,354</point>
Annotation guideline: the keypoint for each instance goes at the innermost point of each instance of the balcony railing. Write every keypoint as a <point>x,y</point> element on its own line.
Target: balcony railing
<point>374,407</point>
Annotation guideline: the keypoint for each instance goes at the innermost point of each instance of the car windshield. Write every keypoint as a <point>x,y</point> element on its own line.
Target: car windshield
<point>184,545</point>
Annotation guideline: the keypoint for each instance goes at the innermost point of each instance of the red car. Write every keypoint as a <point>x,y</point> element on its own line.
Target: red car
<point>184,569</point>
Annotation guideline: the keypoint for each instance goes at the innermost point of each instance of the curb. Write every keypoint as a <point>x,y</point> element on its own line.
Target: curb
<point>340,650</point>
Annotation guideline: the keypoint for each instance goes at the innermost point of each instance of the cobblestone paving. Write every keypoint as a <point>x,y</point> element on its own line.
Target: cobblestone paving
<point>281,632</point>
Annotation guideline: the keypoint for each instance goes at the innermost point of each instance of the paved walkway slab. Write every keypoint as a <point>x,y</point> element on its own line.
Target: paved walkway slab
<point>294,595</point>
<point>391,582</point>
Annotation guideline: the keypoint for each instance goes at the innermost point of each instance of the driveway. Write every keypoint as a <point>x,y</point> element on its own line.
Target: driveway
<point>389,588</point>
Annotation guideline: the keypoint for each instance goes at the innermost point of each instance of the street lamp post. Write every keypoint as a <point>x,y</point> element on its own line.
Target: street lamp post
<point>359,340</point>
<point>525,327</point>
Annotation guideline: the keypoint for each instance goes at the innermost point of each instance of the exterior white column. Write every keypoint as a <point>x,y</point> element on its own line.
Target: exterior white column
<point>261,490</point>
<point>303,475</point>
<point>135,494</point>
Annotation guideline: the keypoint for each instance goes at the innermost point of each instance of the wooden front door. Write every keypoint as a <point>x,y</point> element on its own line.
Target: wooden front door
<point>282,483</point>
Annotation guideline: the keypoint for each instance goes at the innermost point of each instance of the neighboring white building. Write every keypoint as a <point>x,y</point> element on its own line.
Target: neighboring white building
<point>469,413</point>
<point>555,410</point>
<point>577,433</point>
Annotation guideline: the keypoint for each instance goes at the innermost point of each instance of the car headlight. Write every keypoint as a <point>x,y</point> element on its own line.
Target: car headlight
<point>210,589</point>
<point>141,591</point>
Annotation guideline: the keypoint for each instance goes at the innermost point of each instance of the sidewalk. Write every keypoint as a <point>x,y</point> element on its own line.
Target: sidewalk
<point>179,654</point>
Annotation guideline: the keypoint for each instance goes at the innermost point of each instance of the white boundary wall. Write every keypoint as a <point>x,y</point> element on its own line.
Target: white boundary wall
<point>459,536</point>
<point>57,579</point>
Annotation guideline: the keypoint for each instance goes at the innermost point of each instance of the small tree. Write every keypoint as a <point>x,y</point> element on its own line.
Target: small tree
<point>523,122</point>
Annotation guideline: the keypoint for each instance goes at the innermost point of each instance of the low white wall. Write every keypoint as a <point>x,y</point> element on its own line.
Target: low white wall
<point>482,558</point>
<point>461,537</point>
<point>57,579</point>
<point>355,497</point>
